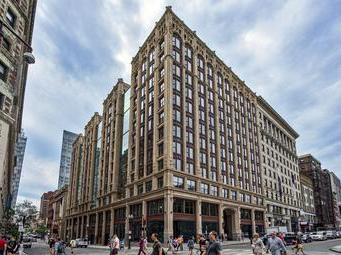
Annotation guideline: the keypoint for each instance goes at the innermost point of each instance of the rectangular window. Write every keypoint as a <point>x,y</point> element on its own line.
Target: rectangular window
<point>161,102</point>
<point>10,17</point>
<point>160,164</point>
<point>148,186</point>
<point>6,43</point>
<point>160,182</point>
<point>160,149</point>
<point>3,71</point>
<point>225,193</point>
<point>214,191</point>
<point>191,185</point>
<point>204,188</point>
<point>139,189</point>
<point>178,182</point>
<point>234,195</point>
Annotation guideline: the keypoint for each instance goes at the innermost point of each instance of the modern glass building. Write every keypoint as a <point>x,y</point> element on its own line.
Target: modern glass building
<point>19,159</point>
<point>65,158</point>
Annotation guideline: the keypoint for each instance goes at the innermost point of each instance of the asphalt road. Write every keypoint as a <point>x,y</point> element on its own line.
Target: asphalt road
<point>314,248</point>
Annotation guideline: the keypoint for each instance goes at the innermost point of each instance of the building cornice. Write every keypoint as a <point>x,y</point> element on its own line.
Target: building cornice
<point>263,103</point>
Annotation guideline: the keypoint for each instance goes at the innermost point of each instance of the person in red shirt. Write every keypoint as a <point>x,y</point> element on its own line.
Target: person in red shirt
<point>2,245</point>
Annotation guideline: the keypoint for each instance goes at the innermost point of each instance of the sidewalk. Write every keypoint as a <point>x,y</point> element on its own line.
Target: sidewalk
<point>134,246</point>
<point>336,249</point>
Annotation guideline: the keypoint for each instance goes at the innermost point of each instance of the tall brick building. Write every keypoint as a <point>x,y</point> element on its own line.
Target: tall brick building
<point>325,207</point>
<point>16,27</point>
<point>96,178</point>
<point>204,152</point>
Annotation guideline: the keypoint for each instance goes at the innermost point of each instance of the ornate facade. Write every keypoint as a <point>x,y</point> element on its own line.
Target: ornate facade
<point>16,28</point>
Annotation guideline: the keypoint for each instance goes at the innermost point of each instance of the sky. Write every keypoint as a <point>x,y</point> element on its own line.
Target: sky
<point>287,51</point>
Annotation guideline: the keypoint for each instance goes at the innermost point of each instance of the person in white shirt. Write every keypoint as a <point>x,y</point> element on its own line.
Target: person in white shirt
<point>115,245</point>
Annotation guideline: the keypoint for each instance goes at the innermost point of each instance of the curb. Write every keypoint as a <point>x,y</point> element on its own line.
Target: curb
<point>337,250</point>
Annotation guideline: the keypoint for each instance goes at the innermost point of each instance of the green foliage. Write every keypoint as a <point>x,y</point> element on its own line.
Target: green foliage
<point>27,211</point>
<point>24,211</point>
<point>7,225</point>
<point>41,230</point>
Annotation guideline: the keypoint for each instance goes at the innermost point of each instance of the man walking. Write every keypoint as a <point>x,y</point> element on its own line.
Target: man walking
<point>59,247</point>
<point>275,245</point>
<point>215,247</point>
<point>157,247</point>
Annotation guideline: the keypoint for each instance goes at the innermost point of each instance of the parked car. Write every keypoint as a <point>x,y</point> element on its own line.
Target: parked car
<point>27,242</point>
<point>289,238</point>
<point>319,236</point>
<point>83,243</point>
<point>338,234</point>
<point>331,234</point>
<point>307,238</point>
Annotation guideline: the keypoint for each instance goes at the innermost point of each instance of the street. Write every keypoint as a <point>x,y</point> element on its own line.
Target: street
<point>314,248</point>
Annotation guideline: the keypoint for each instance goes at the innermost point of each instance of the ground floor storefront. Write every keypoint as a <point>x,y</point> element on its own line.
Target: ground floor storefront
<point>168,215</point>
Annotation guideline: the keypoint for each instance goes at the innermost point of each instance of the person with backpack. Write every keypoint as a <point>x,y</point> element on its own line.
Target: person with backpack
<point>157,247</point>
<point>190,245</point>
<point>59,247</point>
<point>12,246</point>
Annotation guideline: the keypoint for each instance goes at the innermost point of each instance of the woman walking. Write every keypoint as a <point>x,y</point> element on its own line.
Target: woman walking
<point>257,245</point>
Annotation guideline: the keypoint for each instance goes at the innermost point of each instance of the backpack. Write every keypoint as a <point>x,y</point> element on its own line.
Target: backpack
<point>190,244</point>
<point>12,245</point>
<point>60,248</point>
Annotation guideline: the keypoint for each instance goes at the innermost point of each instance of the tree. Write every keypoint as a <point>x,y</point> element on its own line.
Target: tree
<point>27,212</point>
<point>8,225</point>
<point>41,230</point>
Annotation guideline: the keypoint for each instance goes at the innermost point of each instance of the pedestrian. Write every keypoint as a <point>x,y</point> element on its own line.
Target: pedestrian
<point>190,245</point>
<point>73,244</point>
<point>298,246</point>
<point>214,247</point>
<point>59,247</point>
<point>275,245</point>
<point>175,244</point>
<point>12,246</point>
<point>181,242</point>
<point>142,245</point>
<point>157,247</point>
<point>257,245</point>
<point>51,245</point>
<point>2,245</point>
<point>114,245</point>
<point>202,244</point>
<point>170,245</point>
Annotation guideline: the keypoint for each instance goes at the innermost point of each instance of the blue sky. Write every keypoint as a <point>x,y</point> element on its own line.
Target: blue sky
<point>287,51</point>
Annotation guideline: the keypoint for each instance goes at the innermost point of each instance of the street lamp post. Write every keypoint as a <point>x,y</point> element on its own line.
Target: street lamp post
<point>130,219</point>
